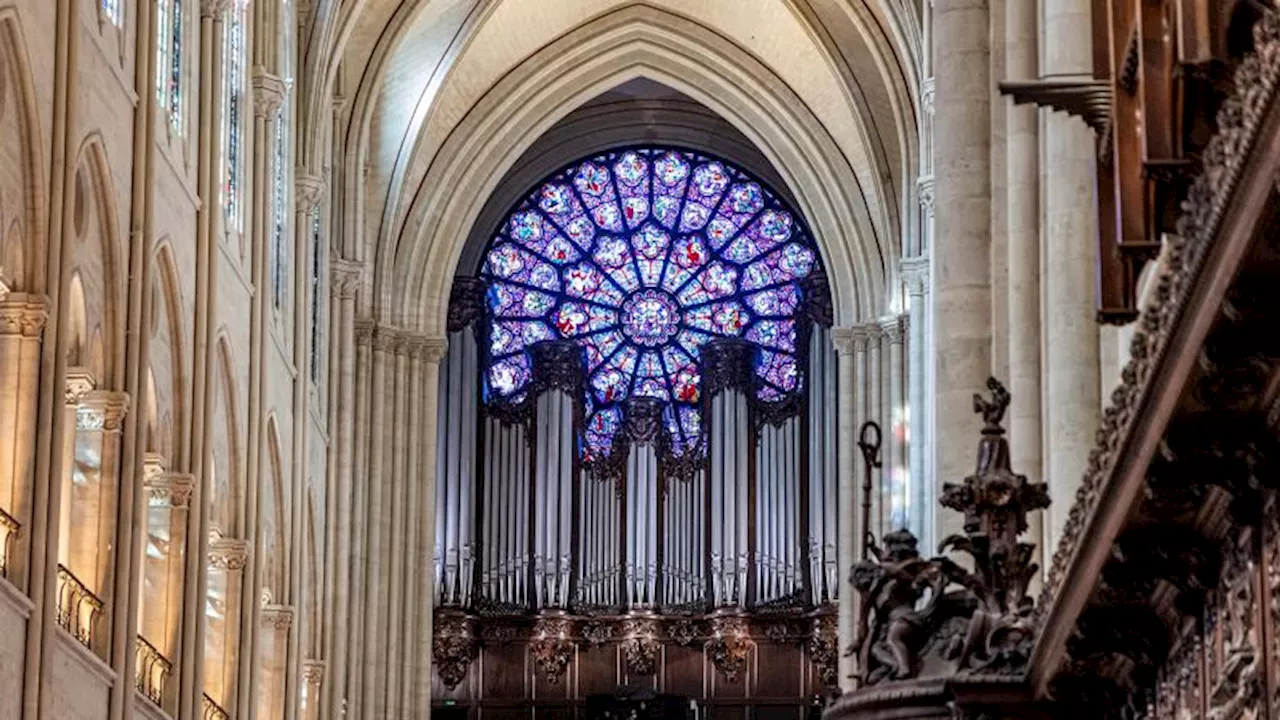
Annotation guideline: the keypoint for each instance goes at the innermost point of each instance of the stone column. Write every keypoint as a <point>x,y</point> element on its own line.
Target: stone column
<point>99,425</point>
<point>874,411</point>
<point>1023,203</point>
<point>345,284</point>
<point>275,622</point>
<point>227,558</point>
<point>895,447</point>
<point>22,320</point>
<point>1000,235</point>
<point>433,350</point>
<point>1070,251</point>
<point>845,341</point>
<point>312,688</point>
<point>374,662</point>
<point>168,499</point>
<point>915,275</point>
<point>961,252</point>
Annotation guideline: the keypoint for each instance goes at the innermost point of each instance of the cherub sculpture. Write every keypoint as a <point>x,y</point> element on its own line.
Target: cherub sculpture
<point>892,630</point>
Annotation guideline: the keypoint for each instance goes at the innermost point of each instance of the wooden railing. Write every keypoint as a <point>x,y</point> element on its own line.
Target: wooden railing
<point>9,529</point>
<point>78,609</point>
<point>210,710</point>
<point>151,671</point>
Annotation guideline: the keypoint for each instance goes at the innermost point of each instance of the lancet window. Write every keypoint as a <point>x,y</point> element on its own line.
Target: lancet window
<point>626,416</point>
<point>169,33</point>
<point>233,111</point>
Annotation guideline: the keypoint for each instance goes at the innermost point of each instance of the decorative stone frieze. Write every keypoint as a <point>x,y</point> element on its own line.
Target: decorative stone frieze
<point>23,315</point>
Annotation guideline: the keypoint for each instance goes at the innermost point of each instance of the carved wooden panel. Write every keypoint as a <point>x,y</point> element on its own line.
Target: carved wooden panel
<point>778,682</point>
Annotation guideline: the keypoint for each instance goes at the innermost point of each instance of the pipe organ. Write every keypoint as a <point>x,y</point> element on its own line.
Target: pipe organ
<point>522,525</point>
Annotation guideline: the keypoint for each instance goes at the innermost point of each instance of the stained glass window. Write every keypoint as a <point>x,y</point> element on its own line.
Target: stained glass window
<point>234,108</point>
<point>643,256</point>
<point>169,62</point>
<point>278,258</point>
<point>317,302</point>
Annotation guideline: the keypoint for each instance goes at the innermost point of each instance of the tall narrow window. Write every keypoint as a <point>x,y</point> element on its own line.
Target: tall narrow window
<point>315,281</point>
<point>113,10</point>
<point>278,257</point>
<point>233,108</point>
<point>169,62</point>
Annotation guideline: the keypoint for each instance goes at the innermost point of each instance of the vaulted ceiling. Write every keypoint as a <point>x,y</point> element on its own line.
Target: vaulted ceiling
<point>413,78</point>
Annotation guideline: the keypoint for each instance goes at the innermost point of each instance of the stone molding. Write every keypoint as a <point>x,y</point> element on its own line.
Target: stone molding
<point>928,93</point>
<point>268,93</point>
<point>23,315</point>
<point>227,554</point>
<point>1223,161</point>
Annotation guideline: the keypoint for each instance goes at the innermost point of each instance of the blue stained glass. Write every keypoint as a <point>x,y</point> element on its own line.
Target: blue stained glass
<point>642,256</point>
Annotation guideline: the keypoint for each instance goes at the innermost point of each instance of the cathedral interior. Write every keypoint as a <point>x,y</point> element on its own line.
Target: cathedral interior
<point>697,359</point>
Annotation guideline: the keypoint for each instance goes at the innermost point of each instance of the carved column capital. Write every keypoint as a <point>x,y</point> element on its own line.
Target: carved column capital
<point>227,554</point>
<point>79,383</point>
<point>385,338</point>
<point>170,489</point>
<point>215,9</point>
<point>364,331</point>
<point>308,190</point>
<point>894,329</point>
<point>276,617</point>
<point>345,277</point>
<point>313,672</point>
<point>268,93</point>
<point>925,193</point>
<point>914,271</point>
<point>22,314</point>
<point>102,410</point>
<point>851,340</point>
<point>433,349</point>
<point>927,94</point>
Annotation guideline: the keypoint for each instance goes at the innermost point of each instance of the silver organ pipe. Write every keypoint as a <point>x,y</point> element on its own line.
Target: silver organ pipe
<point>553,480</point>
<point>505,498</point>
<point>777,574</point>
<point>641,540</point>
<point>455,482</point>
<point>823,479</point>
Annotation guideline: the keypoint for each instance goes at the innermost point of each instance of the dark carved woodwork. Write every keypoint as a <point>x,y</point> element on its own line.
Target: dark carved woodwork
<point>642,421</point>
<point>823,649</point>
<point>466,302</point>
<point>557,365</point>
<point>727,363</point>
<point>640,645</point>
<point>818,307</point>
<point>932,618</point>
<point>454,645</point>
<point>728,645</point>
<point>552,646</point>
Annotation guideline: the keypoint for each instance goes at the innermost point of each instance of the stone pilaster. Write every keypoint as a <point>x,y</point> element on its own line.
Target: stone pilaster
<point>895,447</point>
<point>915,275</point>
<point>845,341</point>
<point>22,322</point>
<point>961,252</point>
<point>1023,216</point>
<point>1070,366</point>
<point>433,350</point>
